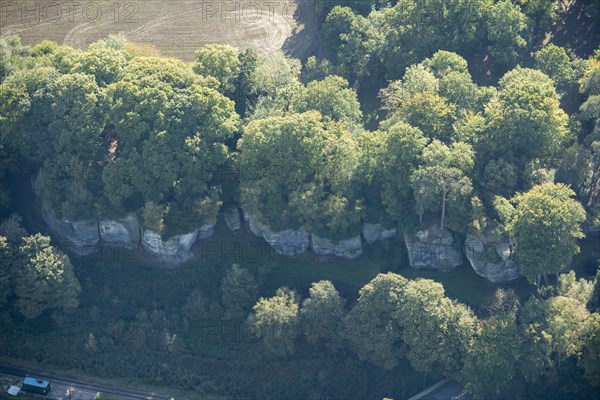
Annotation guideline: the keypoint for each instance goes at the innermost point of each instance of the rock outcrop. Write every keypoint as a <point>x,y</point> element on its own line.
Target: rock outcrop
<point>288,242</point>
<point>346,248</point>
<point>124,232</point>
<point>232,218</point>
<point>206,231</point>
<point>489,254</point>
<point>432,248</point>
<point>374,232</point>
<point>174,250</point>
<point>82,237</point>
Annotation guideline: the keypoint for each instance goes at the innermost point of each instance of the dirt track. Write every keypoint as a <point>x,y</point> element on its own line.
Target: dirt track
<point>177,27</point>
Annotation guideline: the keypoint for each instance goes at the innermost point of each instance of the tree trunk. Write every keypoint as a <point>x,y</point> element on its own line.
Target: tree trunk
<point>546,280</point>
<point>443,209</point>
<point>537,282</point>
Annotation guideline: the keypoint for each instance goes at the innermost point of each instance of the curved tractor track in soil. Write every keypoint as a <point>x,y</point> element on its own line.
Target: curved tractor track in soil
<point>179,27</point>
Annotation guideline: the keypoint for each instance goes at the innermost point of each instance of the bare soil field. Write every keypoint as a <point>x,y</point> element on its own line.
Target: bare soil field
<point>175,27</point>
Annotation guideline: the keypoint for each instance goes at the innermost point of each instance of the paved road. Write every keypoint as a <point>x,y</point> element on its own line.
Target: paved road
<point>452,391</point>
<point>446,389</point>
<point>65,388</point>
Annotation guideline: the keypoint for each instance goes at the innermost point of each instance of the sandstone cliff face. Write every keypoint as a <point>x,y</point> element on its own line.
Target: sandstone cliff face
<point>232,218</point>
<point>81,236</point>
<point>288,242</point>
<point>432,248</point>
<point>205,231</point>
<point>175,250</point>
<point>374,232</point>
<point>346,248</point>
<point>124,232</point>
<point>490,256</point>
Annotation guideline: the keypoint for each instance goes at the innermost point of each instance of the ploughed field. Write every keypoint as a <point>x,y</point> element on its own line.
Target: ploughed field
<point>175,27</point>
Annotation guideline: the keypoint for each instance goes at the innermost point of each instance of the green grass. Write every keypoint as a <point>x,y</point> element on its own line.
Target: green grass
<point>111,274</point>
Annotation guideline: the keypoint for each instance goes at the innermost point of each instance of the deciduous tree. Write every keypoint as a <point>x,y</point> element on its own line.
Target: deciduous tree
<point>44,278</point>
<point>275,321</point>
<point>544,225</point>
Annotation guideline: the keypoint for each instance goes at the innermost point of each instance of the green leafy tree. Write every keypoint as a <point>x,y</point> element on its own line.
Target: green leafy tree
<point>436,330</point>
<point>590,357</point>
<point>373,331</point>
<point>276,321</point>
<point>69,120</point>
<point>506,24</point>
<point>275,72</point>
<point>44,278</point>
<point>443,176</point>
<point>431,113</point>
<point>316,69</point>
<point>525,120</point>
<point>491,361</point>
<point>352,40</point>
<point>499,178</point>
<point>11,229</point>
<point>556,63</point>
<point>245,85</point>
<point>332,98</point>
<point>17,118</point>
<point>219,61</point>
<point>559,323</point>
<point>594,302</point>
<point>417,79</point>
<point>322,315</point>
<point>444,62</point>
<point>160,155</point>
<point>239,292</point>
<point>544,225</point>
<point>6,256</point>
<point>413,30</point>
<point>296,171</point>
<point>401,148</point>
<point>459,89</point>
<point>11,49</point>
<point>105,63</point>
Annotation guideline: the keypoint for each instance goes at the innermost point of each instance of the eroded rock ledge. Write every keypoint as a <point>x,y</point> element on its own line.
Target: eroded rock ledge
<point>288,242</point>
<point>432,248</point>
<point>491,256</point>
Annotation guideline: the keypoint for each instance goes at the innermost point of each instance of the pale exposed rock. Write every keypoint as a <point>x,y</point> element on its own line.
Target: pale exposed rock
<point>489,254</point>
<point>346,248</point>
<point>205,231</point>
<point>232,218</point>
<point>432,248</point>
<point>288,242</point>
<point>81,236</point>
<point>176,249</point>
<point>374,232</point>
<point>124,232</point>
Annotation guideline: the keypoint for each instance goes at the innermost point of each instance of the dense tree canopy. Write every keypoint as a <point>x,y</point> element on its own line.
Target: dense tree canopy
<point>115,128</point>
<point>525,121</point>
<point>276,321</point>
<point>544,224</point>
<point>239,292</point>
<point>167,157</point>
<point>443,176</point>
<point>43,278</point>
<point>298,171</point>
<point>322,315</point>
